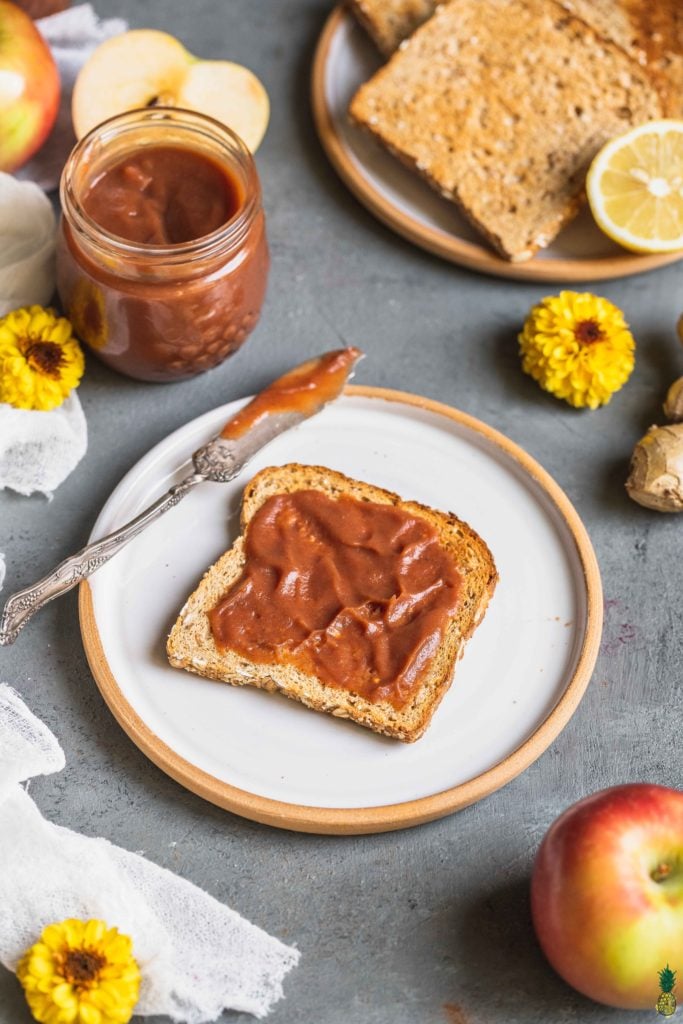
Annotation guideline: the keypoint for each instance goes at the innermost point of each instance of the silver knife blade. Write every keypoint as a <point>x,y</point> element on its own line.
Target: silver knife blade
<point>297,395</point>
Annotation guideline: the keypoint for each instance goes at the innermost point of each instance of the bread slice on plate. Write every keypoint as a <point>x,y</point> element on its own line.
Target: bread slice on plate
<point>650,31</point>
<point>501,105</point>
<point>191,644</point>
<point>389,22</point>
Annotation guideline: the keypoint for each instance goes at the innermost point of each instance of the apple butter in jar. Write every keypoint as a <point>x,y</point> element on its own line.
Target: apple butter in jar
<point>162,259</point>
<point>42,8</point>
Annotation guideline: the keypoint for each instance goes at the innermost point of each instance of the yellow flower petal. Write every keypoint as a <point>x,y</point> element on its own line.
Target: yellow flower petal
<point>73,932</point>
<point>94,932</point>
<point>53,937</point>
<point>42,966</point>
<point>89,1014</point>
<point>59,331</point>
<point>63,996</point>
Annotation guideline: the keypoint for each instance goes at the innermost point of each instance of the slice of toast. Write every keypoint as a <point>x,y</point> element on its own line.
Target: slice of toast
<point>458,104</point>
<point>191,644</point>
<point>389,22</point>
<point>650,31</point>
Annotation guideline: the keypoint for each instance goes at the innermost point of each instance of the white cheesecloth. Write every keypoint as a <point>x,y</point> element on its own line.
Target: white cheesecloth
<point>38,450</point>
<point>197,957</point>
<point>27,254</point>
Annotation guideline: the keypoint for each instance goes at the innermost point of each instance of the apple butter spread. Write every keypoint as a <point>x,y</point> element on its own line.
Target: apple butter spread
<point>305,389</point>
<point>162,259</point>
<point>355,592</point>
<point>163,195</point>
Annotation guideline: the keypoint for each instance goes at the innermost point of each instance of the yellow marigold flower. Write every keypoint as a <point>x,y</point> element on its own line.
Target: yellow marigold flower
<point>40,360</point>
<point>80,972</point>
<point>578,347</point>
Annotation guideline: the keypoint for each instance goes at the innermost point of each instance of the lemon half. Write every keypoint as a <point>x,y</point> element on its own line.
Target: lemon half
<point>635,187</point>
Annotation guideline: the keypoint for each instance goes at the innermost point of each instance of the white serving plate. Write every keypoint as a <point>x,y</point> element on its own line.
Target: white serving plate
<point>273,760</point>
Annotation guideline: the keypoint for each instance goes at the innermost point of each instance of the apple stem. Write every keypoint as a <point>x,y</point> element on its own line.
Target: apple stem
<point>160,100</point>
<point>662,871</point>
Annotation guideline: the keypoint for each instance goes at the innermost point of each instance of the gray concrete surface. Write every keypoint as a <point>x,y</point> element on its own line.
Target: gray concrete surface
<point>403,928</point>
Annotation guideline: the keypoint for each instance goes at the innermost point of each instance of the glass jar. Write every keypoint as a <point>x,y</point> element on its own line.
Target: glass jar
<point>42,8</point>
<point>161,312</point>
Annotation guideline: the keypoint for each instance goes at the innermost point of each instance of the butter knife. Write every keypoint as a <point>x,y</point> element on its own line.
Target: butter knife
<point>288,401</point>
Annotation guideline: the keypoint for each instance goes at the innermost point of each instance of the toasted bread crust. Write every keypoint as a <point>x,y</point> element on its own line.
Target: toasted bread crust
<point>453,106</point>
<point>191,645</point>
<point>389,22</point>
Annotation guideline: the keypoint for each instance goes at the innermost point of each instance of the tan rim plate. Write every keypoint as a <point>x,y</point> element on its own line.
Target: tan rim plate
<point>349,160</point>
<point>397,815</point>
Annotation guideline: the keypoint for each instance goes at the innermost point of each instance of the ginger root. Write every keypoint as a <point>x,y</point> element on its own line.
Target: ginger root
<point>673,405</point>
<point>656,476</point>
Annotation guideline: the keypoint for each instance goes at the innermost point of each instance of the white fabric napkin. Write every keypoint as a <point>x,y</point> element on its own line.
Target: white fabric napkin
<point>38,450</point>
<point>196,956</point>
<point>27,249</point>
<point>72,35</point>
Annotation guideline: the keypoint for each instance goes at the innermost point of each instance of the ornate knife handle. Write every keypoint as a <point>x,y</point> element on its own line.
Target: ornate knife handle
<point>25,603</point>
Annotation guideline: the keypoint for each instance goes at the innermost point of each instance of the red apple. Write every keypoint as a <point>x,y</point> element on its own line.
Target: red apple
<point>607,893</point>
<point>29,87</point>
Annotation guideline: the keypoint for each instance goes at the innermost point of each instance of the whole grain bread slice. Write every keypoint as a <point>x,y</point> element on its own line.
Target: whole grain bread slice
<point>650,31</point>
<point>501,105</point>
<point>389,22</point>
<point>191,644</point>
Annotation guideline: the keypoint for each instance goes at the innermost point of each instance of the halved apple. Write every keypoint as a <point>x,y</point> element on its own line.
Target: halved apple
<point>144,67</point>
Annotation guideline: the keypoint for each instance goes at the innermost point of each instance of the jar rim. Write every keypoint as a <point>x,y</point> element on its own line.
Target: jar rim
<point>228,236</point>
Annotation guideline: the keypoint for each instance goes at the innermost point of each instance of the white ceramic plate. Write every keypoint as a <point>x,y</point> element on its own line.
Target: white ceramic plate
<point>261,755</point>
<point>344,59</point>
